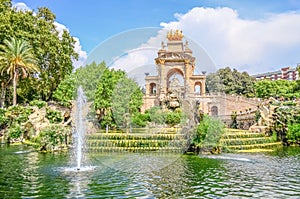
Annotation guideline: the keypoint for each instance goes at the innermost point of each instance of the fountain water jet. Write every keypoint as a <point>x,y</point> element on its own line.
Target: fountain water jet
<point>80,113</point>
<point>80,127</point>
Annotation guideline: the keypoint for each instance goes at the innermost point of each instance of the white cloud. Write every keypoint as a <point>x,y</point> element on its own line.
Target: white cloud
<point>82,55</point>
<point>20,6</point>
<point>142,56</point>
<point>141,60</point>
<point>60,28</point>
<point>251,45</point>
<point>135,58</point>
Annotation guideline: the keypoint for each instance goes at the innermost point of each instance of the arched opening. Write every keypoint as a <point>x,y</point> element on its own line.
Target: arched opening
<point>214,111</point>
<point>175,81</point>
<point>152,89</point>
<point>197,88</point>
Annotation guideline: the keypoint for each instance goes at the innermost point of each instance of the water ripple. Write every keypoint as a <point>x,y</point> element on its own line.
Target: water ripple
<point>127,175</point>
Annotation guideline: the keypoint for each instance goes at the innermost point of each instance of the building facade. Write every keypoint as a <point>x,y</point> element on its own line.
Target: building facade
<point>287,73</point>
<point>176,80</point>
<point>176,85</point>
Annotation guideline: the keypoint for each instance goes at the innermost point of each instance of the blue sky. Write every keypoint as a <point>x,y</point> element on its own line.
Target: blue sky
<point>94,21</point>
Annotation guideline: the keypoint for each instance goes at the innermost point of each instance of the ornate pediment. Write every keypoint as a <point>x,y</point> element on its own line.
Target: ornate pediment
<point>173,56</point>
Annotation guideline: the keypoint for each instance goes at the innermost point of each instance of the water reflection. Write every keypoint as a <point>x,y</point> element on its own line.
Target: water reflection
<point>30,174</point>
<point>78,184</point>
<point>133,175</point>
<point>265,176</point>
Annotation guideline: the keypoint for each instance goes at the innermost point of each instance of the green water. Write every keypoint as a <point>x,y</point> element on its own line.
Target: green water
<point>27,174</point>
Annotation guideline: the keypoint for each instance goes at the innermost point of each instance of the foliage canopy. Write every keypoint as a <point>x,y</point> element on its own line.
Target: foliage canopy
<point>53,50</point>
<point>230,82</point>
<point>278,88</point>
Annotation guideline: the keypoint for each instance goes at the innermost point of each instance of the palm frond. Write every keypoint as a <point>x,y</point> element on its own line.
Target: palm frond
<point>17,58</point>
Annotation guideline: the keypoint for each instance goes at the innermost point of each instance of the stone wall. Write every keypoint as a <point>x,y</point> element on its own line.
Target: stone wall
<point>244,120</point>
<point>234,103</point>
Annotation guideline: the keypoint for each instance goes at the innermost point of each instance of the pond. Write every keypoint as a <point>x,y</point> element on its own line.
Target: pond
<point>28,174</point>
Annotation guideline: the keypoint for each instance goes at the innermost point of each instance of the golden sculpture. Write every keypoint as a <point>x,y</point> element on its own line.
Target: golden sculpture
<point>160,61</point>
<point>175,36</point>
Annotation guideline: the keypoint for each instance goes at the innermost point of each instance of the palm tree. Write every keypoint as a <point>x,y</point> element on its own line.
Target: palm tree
<point>16,59</point>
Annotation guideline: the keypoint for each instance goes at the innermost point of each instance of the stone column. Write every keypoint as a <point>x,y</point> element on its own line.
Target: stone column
<point>203,91</point>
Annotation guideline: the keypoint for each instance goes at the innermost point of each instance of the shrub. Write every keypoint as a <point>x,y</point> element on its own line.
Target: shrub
<point>289,103</point>
<point>257,115</point>
<point>3,118</point>
<point>38,103</point>
<point>208,132</point>
<point>17,114</point>
<point>293,133</point>
<point>173,118</point>
<point>157,115</point>
<point>286,120</point>
<point>14,131</point>
<point>234,123</point>
<point>140,119</point>
<point>54,116</point>
<point>52,137</point>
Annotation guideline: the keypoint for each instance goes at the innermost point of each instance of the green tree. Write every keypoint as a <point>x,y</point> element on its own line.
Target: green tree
<point>230,82</point>
<point>104,94</point>
<point>5,5</point>
<point>126,100</point>
<point>279,88</point>
<point>17,60</point>
<point>54,50</point>
<point>88,77</point>
<point>156,115</point>
<point>117,98</point>
<point>65,91</point>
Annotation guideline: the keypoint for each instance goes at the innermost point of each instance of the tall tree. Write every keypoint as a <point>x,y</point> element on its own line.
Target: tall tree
<point>53,48</point>
<point>230,82</point>
<point>18,59</point>
<point>104,95</point>
<point>126,100</point>
<point>88,77</point>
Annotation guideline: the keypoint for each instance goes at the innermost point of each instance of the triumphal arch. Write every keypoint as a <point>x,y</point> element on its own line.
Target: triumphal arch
<point>176,85</point>
<point>175,80</point>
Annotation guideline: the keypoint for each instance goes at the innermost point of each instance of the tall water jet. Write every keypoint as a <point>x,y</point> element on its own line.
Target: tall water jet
<point>79,133</point>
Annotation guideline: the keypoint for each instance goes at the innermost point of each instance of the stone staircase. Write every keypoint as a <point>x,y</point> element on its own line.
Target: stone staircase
<point>246,141</point>
<point>141,140</point>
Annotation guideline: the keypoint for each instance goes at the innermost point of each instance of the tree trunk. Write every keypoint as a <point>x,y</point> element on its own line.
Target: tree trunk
<point>15,88</point>
<point>3,92</point>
